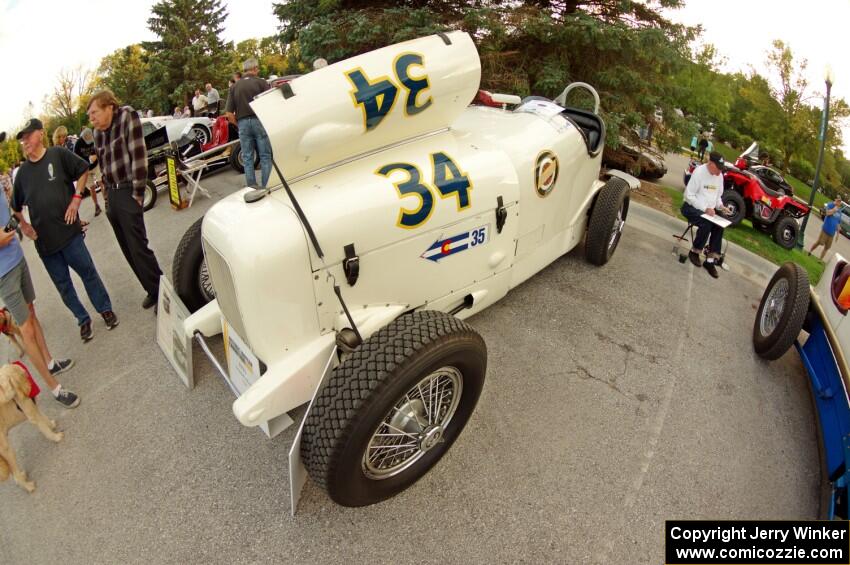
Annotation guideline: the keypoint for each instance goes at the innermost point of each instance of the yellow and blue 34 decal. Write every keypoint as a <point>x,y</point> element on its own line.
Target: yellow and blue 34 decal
<point>444,247</point>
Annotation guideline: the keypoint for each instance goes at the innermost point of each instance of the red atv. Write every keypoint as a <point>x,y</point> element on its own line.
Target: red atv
<point>747,196</point>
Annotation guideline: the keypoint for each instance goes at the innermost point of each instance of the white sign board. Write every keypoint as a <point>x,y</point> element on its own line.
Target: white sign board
<point>172,339</point>
<point>243,367</point>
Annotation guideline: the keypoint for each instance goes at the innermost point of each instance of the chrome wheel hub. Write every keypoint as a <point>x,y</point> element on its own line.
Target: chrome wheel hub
<point>204,282</point>
<point>773,308</point>
<point>414,425</point>
<point>619,223</point>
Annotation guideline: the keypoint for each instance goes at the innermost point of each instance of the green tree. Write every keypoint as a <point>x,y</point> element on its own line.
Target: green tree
<point>189,51</point>
<point>123,72</point>
<point>628,50</point>
<point>269,52</point>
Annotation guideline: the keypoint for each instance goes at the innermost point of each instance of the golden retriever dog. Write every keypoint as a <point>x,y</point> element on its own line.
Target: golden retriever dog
<point>10,329</point>
<point>15,407</point>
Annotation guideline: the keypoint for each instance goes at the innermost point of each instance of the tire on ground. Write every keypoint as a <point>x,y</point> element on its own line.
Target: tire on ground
<point>186,269</point>
<point>236,159</point>
<point>773,343</point>
<point>366,388</point>
<point>150,196</point>
<point>785,232</point>
<point>608,214</point>
<point>733,199</point>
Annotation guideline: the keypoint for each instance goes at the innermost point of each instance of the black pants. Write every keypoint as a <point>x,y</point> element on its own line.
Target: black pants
<point>128,223</point>
<point>706,231</point>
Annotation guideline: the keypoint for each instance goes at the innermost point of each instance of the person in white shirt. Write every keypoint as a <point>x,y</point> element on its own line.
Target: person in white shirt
<point>703,196</point>
<point>199,103</point>
<point>212,100</point>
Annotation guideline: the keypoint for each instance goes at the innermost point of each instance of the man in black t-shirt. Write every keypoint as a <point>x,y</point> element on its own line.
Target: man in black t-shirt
<point>45,184</point>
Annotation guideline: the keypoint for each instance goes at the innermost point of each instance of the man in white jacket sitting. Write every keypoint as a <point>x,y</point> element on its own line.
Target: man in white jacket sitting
<point>703,196</point>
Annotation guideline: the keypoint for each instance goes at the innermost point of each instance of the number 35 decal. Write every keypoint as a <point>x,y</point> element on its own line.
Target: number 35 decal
<point>448,181</point>
<point>377,97</point>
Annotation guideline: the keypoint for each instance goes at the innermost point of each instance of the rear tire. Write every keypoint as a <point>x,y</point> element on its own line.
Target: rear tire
<point>149,200</point>
<point>785,232</point>
<point>236,160</point>
<point>189,270</point>
<point>781,312</point>
<point>607,220</point>
<point>375,429</point>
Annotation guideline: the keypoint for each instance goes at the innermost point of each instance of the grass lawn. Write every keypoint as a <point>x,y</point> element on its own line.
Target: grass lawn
<point>762,244</point>
<point>669,201</point>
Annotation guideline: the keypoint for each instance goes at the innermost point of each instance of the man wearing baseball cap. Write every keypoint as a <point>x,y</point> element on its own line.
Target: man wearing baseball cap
<point>703,196</point>
<point>17,294</point>
<point>45,184</point>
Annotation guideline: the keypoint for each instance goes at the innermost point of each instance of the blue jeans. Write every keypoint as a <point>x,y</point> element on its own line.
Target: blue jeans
<point>76,256</point>
<point>706,231</point>
<point>252,135</point>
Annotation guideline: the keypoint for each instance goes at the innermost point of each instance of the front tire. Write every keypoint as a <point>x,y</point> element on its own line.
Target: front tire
<point>149,200</point>
<point>785,232</point>
<point>189,270</point>
<point>735,202</point>
<point>202,134</point>
<point>394,407</point>
<point>607,220</point>
<point>781,312</point>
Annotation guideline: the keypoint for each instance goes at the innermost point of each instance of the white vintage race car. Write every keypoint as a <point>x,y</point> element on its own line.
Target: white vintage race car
<point>179,129</point>
<point>404,210</point>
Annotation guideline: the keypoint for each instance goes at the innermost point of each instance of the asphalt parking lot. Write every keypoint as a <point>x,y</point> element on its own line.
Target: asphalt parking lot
<point>616,398</point>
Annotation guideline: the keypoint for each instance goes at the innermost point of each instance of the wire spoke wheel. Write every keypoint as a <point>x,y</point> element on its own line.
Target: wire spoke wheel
<point>205,283</point>
<point>617,229</point>
<point>782,312</point>
<point>393,407</point>
<point>774,307</point>
<point>414,425</point>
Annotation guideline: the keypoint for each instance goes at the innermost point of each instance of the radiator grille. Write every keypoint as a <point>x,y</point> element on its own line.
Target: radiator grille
<point>225,290</point>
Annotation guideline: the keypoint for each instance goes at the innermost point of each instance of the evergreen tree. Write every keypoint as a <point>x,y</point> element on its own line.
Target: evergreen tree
<point>189,52</point>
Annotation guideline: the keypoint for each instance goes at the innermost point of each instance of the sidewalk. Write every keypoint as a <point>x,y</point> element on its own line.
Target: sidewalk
<point>740,261</point>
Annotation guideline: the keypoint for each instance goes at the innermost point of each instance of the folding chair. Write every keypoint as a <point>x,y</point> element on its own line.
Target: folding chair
<point>684,244</point>
<point>191,173</point>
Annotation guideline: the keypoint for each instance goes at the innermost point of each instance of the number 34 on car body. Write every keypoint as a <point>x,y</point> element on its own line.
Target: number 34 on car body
<point>448,180</point>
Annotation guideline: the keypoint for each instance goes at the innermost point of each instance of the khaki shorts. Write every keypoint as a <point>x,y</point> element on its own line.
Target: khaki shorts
<point>825,240</point>
<point>94,176</point>
<point>17,291</point>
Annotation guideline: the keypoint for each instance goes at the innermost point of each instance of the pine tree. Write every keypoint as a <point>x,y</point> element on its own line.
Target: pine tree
<point>189,52</point>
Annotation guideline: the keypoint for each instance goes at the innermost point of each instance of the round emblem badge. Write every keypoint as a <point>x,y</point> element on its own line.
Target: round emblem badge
<point>546,173</point>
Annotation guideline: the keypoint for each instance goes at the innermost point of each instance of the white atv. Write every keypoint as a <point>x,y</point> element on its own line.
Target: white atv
<point>404,210</point>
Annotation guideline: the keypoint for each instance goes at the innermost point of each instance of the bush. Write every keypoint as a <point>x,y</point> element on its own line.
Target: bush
<point>802,169</point>
<point>729,135</point>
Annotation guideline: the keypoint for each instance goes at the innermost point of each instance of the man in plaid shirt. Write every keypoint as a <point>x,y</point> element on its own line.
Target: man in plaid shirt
<point>120,146</point>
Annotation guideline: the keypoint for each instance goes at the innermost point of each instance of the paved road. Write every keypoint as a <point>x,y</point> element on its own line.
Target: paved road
<point>616,398</point>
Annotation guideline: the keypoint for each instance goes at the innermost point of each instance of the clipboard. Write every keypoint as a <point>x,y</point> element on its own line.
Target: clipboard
<point>717,219</point>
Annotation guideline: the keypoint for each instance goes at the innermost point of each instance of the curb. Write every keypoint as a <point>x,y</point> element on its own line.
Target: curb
<point>740,261</point>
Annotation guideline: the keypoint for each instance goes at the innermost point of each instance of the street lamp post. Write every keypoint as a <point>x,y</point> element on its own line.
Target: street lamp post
<point>823,127</point>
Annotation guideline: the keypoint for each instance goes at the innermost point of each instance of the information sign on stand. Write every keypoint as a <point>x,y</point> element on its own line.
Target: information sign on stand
<point>172,339</point>
<point>243,369</point>
<point>173,188</point>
